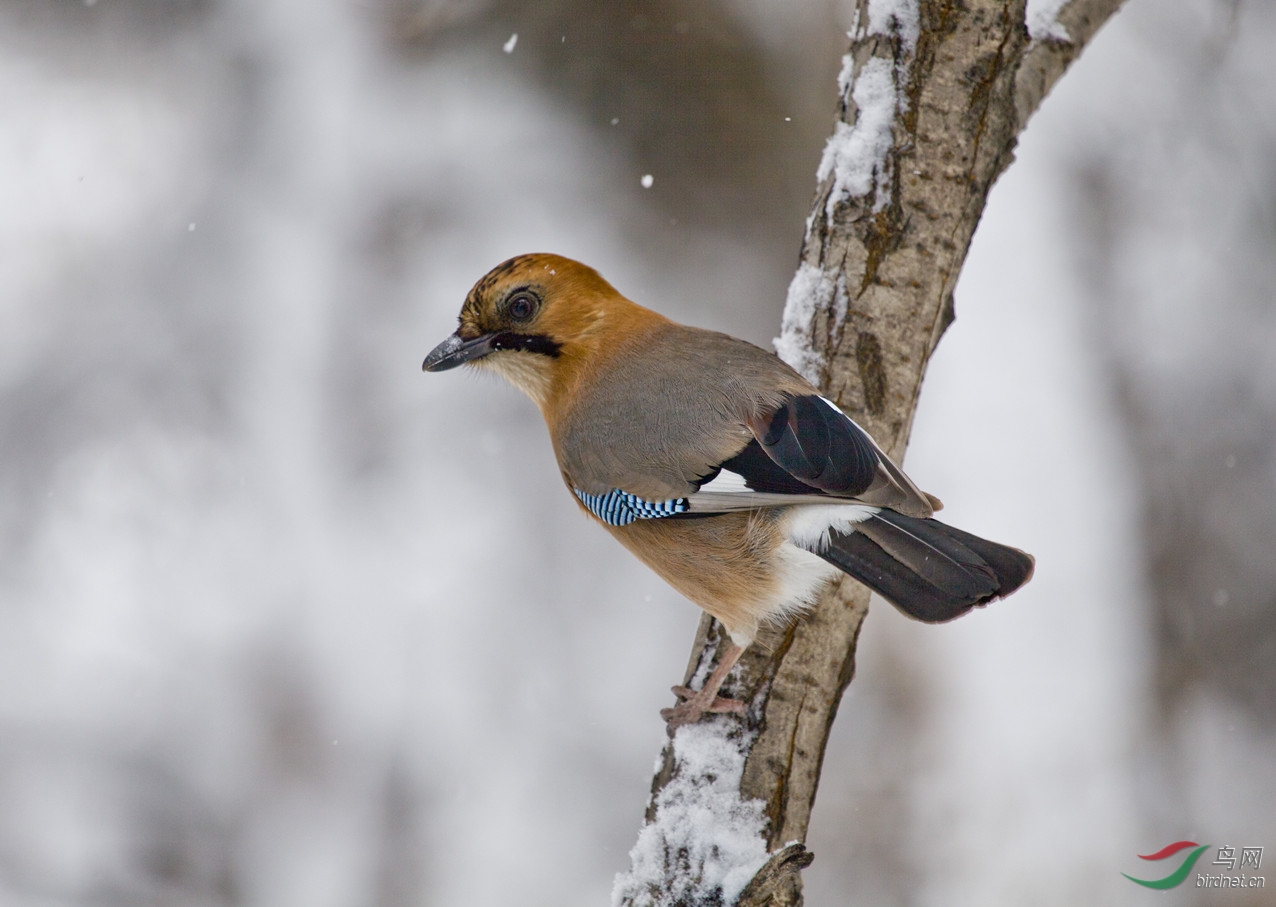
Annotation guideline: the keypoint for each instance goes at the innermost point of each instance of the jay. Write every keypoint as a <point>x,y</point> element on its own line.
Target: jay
<point>714,462</point>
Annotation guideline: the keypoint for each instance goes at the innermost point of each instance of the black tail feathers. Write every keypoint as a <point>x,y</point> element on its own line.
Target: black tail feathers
<point>927,569</point>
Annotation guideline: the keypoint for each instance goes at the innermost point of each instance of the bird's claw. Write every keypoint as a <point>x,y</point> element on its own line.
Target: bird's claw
<point>692,706</point>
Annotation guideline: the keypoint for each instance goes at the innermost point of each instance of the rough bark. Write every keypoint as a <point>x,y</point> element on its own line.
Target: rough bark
<point>887,261</point>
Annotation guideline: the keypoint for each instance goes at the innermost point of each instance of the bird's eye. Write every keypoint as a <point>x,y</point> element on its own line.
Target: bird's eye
<point>521,306</point>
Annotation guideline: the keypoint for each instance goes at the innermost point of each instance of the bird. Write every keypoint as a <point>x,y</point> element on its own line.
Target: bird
<point>715,463</point>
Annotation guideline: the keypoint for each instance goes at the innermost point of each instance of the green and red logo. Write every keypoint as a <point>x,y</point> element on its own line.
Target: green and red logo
<point>1177,876</point>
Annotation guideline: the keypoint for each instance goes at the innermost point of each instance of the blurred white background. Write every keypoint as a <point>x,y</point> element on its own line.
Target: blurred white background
<point>284,622</point>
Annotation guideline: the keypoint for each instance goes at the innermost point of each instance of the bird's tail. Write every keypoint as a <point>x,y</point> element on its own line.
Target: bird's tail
<point>927,569</point>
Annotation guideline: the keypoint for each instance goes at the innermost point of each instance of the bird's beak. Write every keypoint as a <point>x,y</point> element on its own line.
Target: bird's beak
<point>457,351</point>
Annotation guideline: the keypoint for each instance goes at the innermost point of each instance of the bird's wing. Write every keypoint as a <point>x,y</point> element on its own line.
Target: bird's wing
<point>802,451</point>
<point>806,450</point>
<point>695,422</point>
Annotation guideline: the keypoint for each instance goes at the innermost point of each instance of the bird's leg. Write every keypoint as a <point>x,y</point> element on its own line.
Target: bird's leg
<point>692,705</point>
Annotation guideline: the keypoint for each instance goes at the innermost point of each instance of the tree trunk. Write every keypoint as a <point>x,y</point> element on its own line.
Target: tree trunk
<point>930,110</point>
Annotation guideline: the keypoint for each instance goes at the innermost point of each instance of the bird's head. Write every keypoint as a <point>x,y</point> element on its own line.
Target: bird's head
<point>536,320</point>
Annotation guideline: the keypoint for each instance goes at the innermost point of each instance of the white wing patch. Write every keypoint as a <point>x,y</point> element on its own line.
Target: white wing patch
<point>727,482</point>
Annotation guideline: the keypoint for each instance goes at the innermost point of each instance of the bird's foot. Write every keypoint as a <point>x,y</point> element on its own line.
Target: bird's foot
<point>693,705</point>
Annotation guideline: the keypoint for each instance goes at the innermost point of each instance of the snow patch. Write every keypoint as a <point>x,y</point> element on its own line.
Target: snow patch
<point>895,17</point>
<point>810,291</point>
<point>1043,22</point>
<point>705,844</point>
<point>855,156</point>
<point>857,159</point>
<point>846,75</point>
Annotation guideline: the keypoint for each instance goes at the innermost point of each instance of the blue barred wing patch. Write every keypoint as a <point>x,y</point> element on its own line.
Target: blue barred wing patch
<point>620,508</point>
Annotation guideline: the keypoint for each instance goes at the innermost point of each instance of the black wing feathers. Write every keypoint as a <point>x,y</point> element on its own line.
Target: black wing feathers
<point>1010,567</point>
<point>816,444</point>
<point>763,474</point>
<point>928,569</point>
<point>856,555</point>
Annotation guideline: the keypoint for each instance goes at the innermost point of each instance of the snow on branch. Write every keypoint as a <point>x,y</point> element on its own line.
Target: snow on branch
<point>809,292</point>
<point>1043,21</point>
<point>856,156</point>
<point>704,843</point>
<point>856,168</point>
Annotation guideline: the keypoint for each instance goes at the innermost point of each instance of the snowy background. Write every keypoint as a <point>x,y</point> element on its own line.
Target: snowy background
<point>285,622</point>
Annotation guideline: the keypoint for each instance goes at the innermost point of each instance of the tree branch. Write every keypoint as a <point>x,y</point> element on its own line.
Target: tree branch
<point>1048,58</point>
<point>933,97</point>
